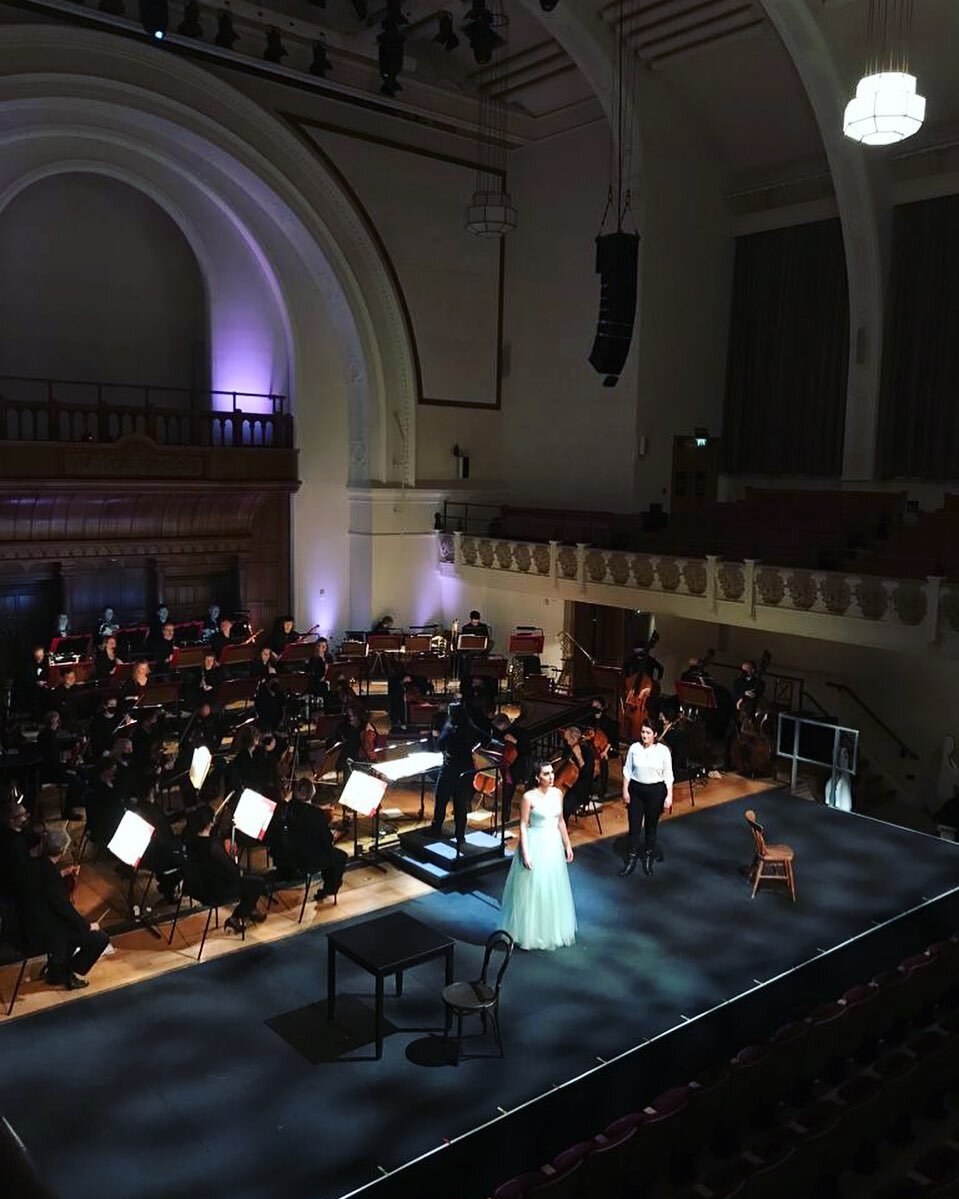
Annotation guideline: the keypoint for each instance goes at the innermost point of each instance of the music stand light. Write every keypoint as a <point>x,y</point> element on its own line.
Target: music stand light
<point>131,839</point>
<point>408,766</point>
<point>363,793</point>
<point>200,766</point>
<point>253,814</point>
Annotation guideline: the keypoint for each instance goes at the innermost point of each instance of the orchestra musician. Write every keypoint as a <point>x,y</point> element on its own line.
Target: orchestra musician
<point>32,682</point>
<point>321,659</point>
<point>51,924</point>
<point>516,765</point>
<point>63,699</point>
<point>211,622</point>
<point>103,726</point>
<point>284,634</point>
<point>162,646</point>
<point>264,666</point>
<point>747,688</point>
<point>106,660</point>
<point>600,721</point>
<point>160,617</point>
<point>383,625</point>
<point>457,740</point>
<point>647,792</point>
<point>221,878</point>
<point>222,637</point>
<point>108,624</point>
<point>307,842</point>
<point>578,754</point>
<point>474,627</point>
<point>211,677</point>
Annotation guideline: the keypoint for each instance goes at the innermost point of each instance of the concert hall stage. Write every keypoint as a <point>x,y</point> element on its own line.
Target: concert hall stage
<point>226,1079</point>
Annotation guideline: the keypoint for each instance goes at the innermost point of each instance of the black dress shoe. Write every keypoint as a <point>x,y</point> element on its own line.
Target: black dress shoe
<point>648,863</point>
<point>234,924</point>
<point>69,981</point>
<point>257,917</point>
<point>629,866</point>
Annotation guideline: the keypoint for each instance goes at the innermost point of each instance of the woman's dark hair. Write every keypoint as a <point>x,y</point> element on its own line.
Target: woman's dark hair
<point>538,766</point>
<point>648,724</point>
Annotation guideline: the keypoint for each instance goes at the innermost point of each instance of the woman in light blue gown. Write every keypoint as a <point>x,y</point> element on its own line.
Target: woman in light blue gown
<point>538,910</point>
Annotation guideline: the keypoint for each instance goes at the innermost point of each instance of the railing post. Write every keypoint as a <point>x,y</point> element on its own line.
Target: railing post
<point>933,588</point>
<point>554,560</point>
<point>712,582</point>
<point>457,547</point>
<point>581,548</point>
<point>749,575</point>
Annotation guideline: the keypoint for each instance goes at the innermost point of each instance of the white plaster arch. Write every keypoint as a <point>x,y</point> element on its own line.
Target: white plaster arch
<point>312,248</point>
<point>260,211</point>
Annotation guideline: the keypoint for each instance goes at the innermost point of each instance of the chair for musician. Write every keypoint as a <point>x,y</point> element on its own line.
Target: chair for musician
<point>771,863</point>
<point>480,997</point>
<point>193,887</point>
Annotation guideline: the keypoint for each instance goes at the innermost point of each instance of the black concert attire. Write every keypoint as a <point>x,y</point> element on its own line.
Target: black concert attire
<point>519,772</point>
<point>51,766</point>
<point>268,705</point>
<point>280,640</point>
<point>104,665</point>
<point>640,662</point>
<point>102,731</point>
<point>161,650</point>
<point>218,642</point>
<point>105,808</point>
<point>52,925</point>
<point>455,782</point>
<point>15,847</point>
<point>748,687</point>
<point>164,855</point>
<point>579,794</point>
<point>64,699</point>
<point>316,669</point>
<point>306,847</point>
<point>472,629</point>
<point>260,670</point>
<point>219,878</point>
<point>209,683</point>
<point>30,692</point>
<point>604,723</point>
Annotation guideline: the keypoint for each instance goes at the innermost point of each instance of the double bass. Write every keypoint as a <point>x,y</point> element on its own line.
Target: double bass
<point>752,749</point>
<point>639,689</point>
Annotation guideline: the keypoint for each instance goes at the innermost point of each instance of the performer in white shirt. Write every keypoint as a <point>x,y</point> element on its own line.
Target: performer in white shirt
<point>647,791</point>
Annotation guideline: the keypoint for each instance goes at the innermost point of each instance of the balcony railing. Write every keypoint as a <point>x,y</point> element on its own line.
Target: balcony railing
<point>712,589</point>
<point>64,410</point>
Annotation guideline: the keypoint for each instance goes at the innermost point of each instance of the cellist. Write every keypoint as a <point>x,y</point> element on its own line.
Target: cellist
<point>641,685</point>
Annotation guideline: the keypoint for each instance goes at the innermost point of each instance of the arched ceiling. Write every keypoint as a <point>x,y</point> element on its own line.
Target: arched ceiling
<point>722,61</point>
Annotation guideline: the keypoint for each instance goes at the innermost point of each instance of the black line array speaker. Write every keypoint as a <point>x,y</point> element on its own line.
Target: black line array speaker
<point>617,264</point>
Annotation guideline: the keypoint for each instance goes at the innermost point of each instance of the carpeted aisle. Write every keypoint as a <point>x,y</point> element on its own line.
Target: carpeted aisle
<point>226,1080</point>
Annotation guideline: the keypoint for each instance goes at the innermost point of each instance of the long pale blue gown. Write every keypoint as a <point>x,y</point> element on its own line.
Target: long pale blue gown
<point>538,910</point>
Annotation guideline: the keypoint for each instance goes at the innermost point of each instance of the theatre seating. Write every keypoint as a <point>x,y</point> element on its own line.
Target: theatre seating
<point>796,1110</point>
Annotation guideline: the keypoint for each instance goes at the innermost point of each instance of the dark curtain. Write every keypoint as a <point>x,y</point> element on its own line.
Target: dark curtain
<point>788,349</point>
<point>919,399</point>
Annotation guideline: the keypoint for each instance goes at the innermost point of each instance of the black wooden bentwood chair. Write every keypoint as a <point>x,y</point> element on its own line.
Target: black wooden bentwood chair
<point>479,997</point>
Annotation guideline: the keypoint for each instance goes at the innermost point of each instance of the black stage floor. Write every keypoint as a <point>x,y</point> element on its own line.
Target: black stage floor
<point>226,1079</point>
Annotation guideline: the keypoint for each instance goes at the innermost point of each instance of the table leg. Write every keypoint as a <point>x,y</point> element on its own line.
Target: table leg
<point>330,979</point>
<point>378,1017</point>
<point>399,982</point>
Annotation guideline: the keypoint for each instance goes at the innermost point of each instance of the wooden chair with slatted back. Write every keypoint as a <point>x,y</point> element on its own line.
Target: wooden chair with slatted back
<point>771,863</point>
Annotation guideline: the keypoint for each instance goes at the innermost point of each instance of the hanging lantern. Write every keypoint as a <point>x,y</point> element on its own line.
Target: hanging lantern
<point>491,214</point>
<point>886,107</point>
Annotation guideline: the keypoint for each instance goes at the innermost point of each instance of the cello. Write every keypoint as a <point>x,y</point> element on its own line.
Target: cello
<point>639,689</point>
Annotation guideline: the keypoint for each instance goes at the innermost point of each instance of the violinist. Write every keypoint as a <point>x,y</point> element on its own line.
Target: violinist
<point>356,735</point>
<point>103,727</point>
<point>578,754</point>
<point>600,721</point>
<point>106,661</point>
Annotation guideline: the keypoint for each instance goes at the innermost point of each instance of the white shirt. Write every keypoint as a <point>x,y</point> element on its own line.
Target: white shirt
<point>652,764</point>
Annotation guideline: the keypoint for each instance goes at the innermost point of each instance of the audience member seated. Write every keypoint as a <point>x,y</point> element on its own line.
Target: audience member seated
<point>222,880</point>
<point>306,846</point>
<point>50,922</point>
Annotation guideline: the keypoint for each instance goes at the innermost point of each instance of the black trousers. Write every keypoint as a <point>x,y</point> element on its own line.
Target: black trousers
<point>83,954</point>
<point>646,802</point>
<point>456,784</point>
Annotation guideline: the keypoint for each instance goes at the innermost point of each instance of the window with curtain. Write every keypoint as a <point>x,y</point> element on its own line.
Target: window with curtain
<point>919,399</point>
<point>788,348</point>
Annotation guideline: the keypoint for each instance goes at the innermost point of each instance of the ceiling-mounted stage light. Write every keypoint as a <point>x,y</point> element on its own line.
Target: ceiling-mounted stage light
<point>225,33</point>
<point>154,17</point>
<point>886,107</point>
<point>190,25</point>
<point>482,37</point>
<point>275,50</point>
<point>446,35</point>
<point>321,64</point>
<point>389,43</point>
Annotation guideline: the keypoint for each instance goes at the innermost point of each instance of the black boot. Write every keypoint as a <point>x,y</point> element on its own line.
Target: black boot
<point>630,864</point>
<point>648,862</point>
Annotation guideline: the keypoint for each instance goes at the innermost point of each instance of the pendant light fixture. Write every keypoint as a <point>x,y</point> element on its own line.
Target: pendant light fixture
<point>490,212</point>
<point>886,107</point>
